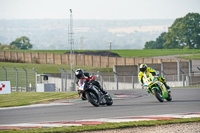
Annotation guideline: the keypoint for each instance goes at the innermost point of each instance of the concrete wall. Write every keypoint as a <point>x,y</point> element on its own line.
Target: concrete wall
<point>194,80</point>
<point>169,68</point>
<point>184,67</point>
<point>194,65</point>
<point>131,70</point>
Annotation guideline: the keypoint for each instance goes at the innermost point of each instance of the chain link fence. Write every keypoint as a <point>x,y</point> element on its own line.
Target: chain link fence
<point>22,79</point>
<point>27,80</point>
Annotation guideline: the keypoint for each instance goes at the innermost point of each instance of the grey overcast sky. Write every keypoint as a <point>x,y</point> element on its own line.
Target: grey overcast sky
<point>97,9</point>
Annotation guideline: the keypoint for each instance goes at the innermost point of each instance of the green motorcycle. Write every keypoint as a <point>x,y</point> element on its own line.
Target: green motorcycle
<point>156,88</point>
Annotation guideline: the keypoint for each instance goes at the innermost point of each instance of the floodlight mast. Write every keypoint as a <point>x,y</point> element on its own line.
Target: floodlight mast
<point>71,41</point>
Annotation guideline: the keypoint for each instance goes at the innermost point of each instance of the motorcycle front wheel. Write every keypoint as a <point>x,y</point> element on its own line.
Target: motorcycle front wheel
<point>169,98</point>
<point>93,98</point>
<point>109,100</point>
<point>158,95</point>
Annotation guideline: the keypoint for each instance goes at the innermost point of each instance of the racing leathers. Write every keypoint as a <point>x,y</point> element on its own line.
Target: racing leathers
<point>89,78</point>
<point>153,72</point>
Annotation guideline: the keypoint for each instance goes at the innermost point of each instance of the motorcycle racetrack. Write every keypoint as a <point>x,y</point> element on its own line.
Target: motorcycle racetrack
<point>128,105</point>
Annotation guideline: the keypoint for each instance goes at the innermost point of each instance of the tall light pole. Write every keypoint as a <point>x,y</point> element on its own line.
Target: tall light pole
<point>71,42</point>
<point>110,45</point>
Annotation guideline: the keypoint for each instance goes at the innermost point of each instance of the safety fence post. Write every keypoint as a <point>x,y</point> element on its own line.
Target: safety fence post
<point>116,80</point>
<point>26,79</point>
<point>162,71</point>
<point>36,72</point>
<point>63,79</point>
<point>190,67</point>
<point>62,86</point>
<point>187,80</point>
<point>178,70</point>
<point>183,77</point>
<point>163,74</point>
<point>133,81</point>
<point>16,78</point>
<point>101,77</point>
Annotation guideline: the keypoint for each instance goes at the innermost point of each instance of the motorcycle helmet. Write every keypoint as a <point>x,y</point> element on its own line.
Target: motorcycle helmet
<point>143,67</point>
<point>79,73</point>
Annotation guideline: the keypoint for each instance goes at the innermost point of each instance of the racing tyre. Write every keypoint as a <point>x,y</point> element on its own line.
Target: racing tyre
<point>158,95</point>
<point>109,100</point>
<point>169,98</point>
<point>93,98</point>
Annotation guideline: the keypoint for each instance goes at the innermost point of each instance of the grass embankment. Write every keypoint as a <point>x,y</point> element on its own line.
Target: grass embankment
<point>192,57</point>
<point>105,126</point>
<point>155,52</point>
<point>27,98</point>
<point>51,68</point>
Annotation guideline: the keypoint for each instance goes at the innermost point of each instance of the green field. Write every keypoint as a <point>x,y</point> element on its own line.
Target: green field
<point>51,68</point>
<point>130,53</point>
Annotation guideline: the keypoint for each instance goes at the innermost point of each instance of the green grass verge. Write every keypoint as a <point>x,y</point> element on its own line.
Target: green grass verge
<point>155,52</point>
<point>192,57</point>
<point>27,98</point>
<point>105,126</point>
<point>51,68</point>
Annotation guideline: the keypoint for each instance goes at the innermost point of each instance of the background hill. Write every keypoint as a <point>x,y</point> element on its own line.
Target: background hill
<point>52,34</point>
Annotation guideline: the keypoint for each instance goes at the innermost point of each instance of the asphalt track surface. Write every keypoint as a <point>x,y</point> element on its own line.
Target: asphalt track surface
<point>127,103</point>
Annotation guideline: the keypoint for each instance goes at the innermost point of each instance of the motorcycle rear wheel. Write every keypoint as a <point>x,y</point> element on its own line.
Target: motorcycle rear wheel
<point>93,98</point>
<point>158,95</point>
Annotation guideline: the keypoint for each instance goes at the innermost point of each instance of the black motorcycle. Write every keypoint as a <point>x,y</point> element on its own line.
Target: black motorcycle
<point>94,95</point>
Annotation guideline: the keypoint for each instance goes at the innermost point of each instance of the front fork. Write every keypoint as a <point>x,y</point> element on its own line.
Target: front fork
<point>163,91</point>
<point>150,89</point>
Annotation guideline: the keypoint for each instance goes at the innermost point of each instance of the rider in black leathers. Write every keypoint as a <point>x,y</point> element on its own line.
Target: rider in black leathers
<point>86,77</point>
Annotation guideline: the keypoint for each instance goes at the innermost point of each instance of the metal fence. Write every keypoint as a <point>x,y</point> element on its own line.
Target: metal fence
<point>21,79</point>
<point>28,79</point>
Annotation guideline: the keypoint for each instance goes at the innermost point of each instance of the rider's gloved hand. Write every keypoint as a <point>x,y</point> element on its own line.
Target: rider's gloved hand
<point>92,78</point>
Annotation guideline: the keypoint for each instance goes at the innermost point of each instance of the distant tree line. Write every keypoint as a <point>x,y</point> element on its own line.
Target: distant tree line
<point>20,43</point>
<point>183,34</point>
